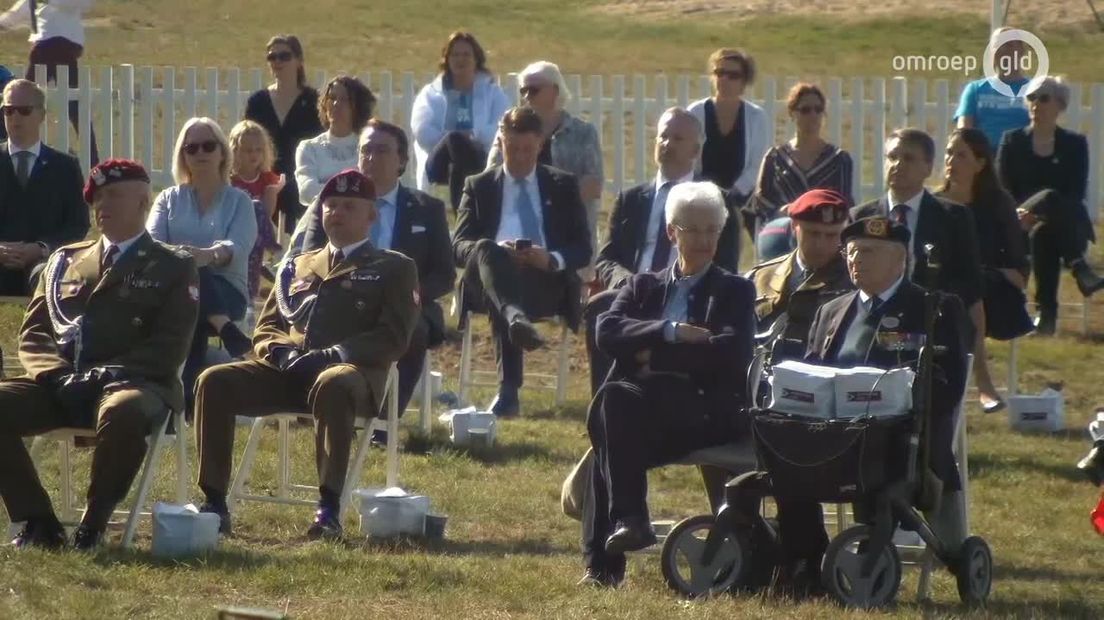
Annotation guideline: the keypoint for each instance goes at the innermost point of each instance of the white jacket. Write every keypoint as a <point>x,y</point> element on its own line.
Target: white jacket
<point>427,119</point>
<point>756,142</point>
<point>58,18</point>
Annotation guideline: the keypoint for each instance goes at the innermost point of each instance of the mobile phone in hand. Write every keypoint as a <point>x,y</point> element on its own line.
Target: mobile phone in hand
<point>523,244</point>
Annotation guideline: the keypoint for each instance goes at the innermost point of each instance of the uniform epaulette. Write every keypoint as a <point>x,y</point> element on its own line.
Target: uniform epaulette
<point>80,245</point>
<point>774,261</point>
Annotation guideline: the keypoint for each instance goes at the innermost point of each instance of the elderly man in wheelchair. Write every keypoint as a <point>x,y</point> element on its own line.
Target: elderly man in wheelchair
<point>878,436</point>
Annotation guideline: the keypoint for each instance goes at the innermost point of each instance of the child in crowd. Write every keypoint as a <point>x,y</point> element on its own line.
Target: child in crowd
<point>253,155</point>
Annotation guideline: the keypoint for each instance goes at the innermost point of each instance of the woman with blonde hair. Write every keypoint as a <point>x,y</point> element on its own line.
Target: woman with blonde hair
<point>214,222</point>
<point>252,155</point>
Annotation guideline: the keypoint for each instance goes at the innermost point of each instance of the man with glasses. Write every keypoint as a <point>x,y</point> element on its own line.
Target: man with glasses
<point>41,208</point>
<point>410,222</point>
<point>681,340</point>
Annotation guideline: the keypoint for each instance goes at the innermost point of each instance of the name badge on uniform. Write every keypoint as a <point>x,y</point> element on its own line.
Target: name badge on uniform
<point>143,284</point>
<point>364,275</point>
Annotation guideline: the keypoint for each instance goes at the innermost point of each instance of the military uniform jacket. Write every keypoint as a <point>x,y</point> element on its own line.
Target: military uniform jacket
<point>139,315</point>
<point>897,343</point>
<point>368,305</point>
<point>773,298</point>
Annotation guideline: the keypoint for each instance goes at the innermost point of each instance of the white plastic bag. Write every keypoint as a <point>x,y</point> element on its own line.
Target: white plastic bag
<point>183,530</point>
<point>392,512</point>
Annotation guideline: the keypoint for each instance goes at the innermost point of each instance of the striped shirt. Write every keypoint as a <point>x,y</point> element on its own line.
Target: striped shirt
<point>782,180</point>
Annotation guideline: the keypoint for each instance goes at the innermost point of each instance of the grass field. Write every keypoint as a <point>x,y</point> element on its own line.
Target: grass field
<point>509,553</point>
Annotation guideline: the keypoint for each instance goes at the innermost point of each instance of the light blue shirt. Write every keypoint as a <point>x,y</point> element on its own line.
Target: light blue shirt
<point>993,113</point>
<point>509,223</point>
<point>677,308</point>
<point>387,209</point>
<point>229,223</point>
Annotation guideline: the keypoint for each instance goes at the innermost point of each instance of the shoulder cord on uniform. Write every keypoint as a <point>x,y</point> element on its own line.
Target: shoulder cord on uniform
<point>66,331</point>
<point>283,300</point>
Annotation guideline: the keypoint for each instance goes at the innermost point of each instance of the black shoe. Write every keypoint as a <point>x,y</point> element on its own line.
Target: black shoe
<point>223,514</point>
<point>326,525</point>
<point>596,578</point>
<point>523,334</point>
<point>1093,463</point>
<point>86,538</point>
<point>1087,281</point>
<point>1045,325</point>
<point>379,439</point>
<point>798,580</point>
<point>632,534</point>
<point>43,533</point>
<point>506,403</point>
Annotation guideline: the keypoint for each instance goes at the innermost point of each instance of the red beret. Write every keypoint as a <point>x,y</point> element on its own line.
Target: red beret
<point>113,171</point>
<point>824,206</point>
<point>349,184</point>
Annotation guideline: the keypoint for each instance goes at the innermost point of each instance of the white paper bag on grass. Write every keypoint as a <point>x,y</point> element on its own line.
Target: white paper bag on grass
<point>183,530</point>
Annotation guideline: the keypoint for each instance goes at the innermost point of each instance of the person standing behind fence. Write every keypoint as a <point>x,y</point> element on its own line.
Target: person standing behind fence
<point>215,224</point>
<point>252,155</point>
<point>792,168</point>
<point>344,109</point>
<point>1046,169</point>
<point>570,143</point>
<point>970,179</point>
<point>455,117</point>
<point>288,110</point>
<point>737,132</point>
<point>57,38</point>
<point>994,113</point>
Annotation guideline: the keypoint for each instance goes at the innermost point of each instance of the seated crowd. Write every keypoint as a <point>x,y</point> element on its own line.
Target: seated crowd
<point>118,327</point>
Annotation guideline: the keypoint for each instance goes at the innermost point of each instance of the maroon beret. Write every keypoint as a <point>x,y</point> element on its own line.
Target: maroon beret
<point>824,206</point>
<point>348,184</point>
<point>113,171</point>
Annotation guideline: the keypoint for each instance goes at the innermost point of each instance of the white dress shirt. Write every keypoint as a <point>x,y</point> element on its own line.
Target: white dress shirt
<point>657,221</point>
<point>122,245</point>
<point>58,18</point>
<point>348,250</point>
<point>885,295</point>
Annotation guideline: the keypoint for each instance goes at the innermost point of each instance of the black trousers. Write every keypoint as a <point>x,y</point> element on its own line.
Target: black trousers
<point>634,427</point>
<point>57,51</point>
<point>455,158</point>
<point>492,277</point>
<point>600,363</point>
<point>1055,240</point>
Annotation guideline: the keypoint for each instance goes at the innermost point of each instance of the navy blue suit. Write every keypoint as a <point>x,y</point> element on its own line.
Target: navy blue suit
<point>687,397</point>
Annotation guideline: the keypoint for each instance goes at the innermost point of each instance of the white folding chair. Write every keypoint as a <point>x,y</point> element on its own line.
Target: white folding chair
<point>284,486</point>
<point>70,510</point>
<point>557,382</point>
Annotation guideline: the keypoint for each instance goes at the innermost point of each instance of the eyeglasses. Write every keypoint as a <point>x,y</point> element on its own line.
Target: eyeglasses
<point>208,146</point>
<point>280,56</point>
<point>24,110</point>
<point>809,109</point>
<point>710,232</point>
<point>526,91</point>
<point>1040,98</point>
<point>728,73</point>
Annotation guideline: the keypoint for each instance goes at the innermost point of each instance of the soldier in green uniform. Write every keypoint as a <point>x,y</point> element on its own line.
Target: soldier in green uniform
<point>789,289</point>
<point>335,321</point>
<point>102,343</point>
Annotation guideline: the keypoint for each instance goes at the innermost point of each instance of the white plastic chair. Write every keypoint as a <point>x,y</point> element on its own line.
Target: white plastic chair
<point>556,382</point>
<point>285,488</point>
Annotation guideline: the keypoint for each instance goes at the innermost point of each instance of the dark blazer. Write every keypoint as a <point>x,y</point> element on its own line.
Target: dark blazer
<point>949,379</point>
<point>1020,175</point>
<point>50,210</point>
<point>421,233</point>
<point>628,224</point>
<point>721,302</point>
<point>949,227</point>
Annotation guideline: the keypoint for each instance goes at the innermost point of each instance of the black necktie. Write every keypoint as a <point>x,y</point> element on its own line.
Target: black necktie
<point>859,337</point>
<point>109,259</point>
<point>875,303</point>
<point>336,258</point>
<point>662,254</point>
<point>899,214</point>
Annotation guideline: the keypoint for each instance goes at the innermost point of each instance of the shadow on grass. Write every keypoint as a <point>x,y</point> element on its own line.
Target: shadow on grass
<point>983,464</point>
<point>484,548</point>
<point>1027,609</point>
<point>493,455</point>
<point>1031,573</point>
<point>219,559</point>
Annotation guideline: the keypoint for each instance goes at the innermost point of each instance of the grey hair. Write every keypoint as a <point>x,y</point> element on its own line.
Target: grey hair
<point>671,114</point>
<point>695,195</point>
<point>550,72</point>
<point>1054,86</point>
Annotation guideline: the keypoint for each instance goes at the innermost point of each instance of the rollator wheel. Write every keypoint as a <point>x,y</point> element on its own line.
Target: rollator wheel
<point>842,570</point>
<point>681,559</point>
<point>974,572</point>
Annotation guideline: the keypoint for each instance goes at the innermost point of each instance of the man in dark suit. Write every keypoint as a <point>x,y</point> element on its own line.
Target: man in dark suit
<point>521,234</point>
<point>41,208</point>
<point>882,325</point>
<point>681,340</point>
<point>637,227</point>
<point>792,287</point>
<point>410,222</point>
<point>947,227</point>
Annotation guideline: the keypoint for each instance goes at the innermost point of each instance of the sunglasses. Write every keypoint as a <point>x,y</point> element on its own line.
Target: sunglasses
<point>25,110</point>
<point>727,73</point>
<point>208,146</point>
<point>279,56</point>
<point>530,90</point>
<point>809,109</point>
<point>1043,98</point>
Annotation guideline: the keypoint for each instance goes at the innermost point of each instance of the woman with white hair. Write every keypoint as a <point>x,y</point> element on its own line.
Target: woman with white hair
<point>1046,169</point>
<point>213,221</point>
<point>570,143</point>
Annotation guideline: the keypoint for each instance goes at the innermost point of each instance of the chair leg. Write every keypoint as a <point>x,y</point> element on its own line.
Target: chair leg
<point>68,511</point>
<point>427,397</point>
<point>465,360</point>
<point>1013,368</point>
<point>356,466</point>
<point>393,428</point>
<point>283,456</point>
<point>562,366</point>
<point>241,478</point>
<point>182,496</point>
<point>145,480</point>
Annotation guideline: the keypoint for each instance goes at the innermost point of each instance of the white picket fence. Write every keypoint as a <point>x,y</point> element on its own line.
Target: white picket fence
<point>138,111</point>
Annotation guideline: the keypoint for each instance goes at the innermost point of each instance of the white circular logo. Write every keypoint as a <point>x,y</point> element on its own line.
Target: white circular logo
<point>1020,60</point>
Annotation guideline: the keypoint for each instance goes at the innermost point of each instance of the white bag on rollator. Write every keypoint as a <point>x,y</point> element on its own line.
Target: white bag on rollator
<point>803,389</point>
<point>875,392</point>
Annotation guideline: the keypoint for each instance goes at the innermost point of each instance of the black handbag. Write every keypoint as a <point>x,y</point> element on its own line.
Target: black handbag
<point>1006,314</point>
<point>830,460</point>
